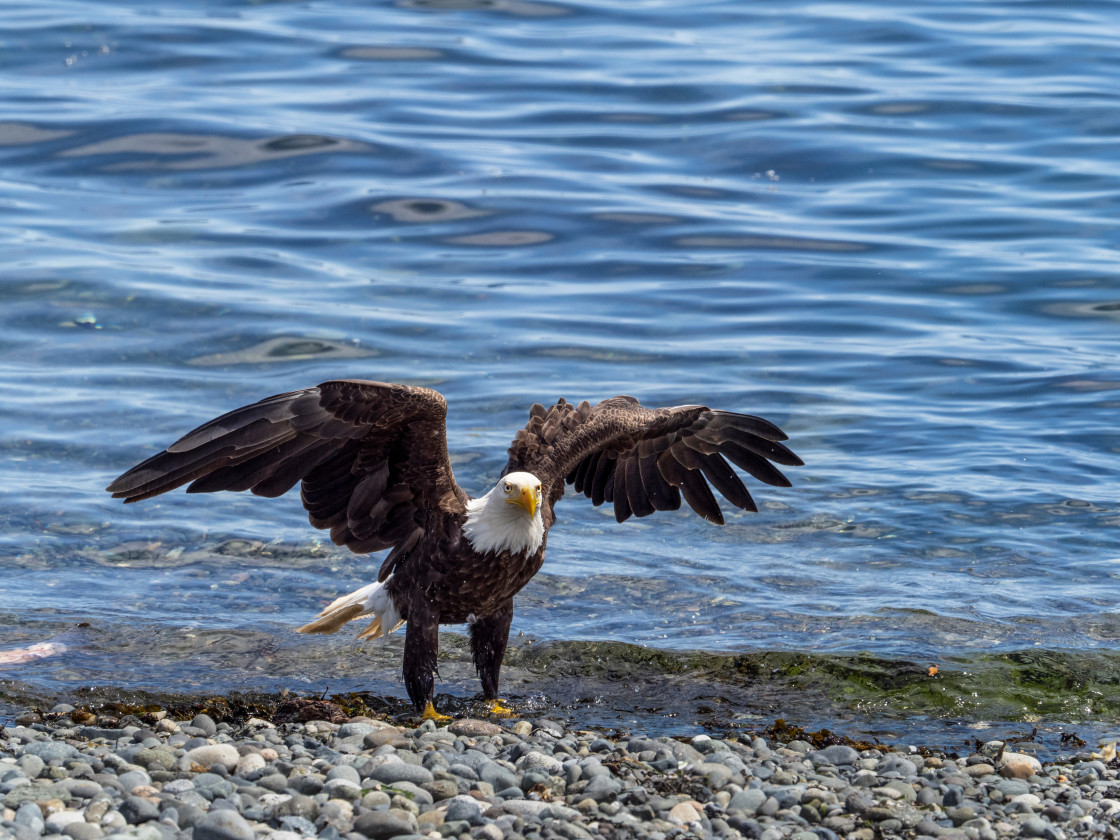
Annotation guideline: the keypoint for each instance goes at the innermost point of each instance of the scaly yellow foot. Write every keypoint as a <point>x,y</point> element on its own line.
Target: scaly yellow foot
<point>496,708</point>
<point>430,713</point>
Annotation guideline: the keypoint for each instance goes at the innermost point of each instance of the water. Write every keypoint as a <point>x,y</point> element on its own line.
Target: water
<point>892,230</point>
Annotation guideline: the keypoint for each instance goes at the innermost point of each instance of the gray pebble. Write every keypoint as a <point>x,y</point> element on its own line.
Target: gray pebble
<point>300,825</point>
<point>401,772</point>
<point>83,831</point>
<point>837,754</point>
<point>345,771</point>
<point>748,801</point>
<point>541,782</point>
<point>222,824</point>
<point>50,751</point>
<point>30,816</point>
<point>379,825</point>
<point>602,788</point>
<point>464,808</point>
<point>132,779</point>
<point>498,776</point>
<point>31,765</point>
<point>206,724</point>
<point>137,809</point>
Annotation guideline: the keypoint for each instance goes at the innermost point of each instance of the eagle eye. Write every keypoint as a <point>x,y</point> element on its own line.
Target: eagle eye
<point>507,487</point>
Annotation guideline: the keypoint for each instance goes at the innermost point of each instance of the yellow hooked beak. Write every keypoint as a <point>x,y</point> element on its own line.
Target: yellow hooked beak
<point>527,500</point>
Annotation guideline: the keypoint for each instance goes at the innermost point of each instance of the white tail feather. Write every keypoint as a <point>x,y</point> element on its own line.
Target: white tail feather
<point>373,599</point>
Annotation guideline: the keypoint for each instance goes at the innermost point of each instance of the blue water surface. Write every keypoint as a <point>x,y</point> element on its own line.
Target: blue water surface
<point>890,228</point>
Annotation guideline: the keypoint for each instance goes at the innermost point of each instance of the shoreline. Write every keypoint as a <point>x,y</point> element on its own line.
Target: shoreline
<point>317,771</point>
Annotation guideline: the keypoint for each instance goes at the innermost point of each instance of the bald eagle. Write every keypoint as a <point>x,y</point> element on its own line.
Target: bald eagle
<point>373,465</point>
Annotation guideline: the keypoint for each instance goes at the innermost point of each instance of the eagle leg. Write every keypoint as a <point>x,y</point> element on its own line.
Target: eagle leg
<point>421,644</point>
<point>489,636</point>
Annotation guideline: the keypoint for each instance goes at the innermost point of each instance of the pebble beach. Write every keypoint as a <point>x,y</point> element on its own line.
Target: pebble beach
<point>157,778</point>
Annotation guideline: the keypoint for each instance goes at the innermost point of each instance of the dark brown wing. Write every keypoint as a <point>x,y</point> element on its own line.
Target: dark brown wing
<point>647,459</point>
<point>372,458</point>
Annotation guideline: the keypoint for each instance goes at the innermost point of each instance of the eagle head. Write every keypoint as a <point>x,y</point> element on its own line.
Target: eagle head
<point>508,518</point>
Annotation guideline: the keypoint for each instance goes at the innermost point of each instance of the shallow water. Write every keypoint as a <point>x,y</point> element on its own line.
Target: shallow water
<point>892,231</point>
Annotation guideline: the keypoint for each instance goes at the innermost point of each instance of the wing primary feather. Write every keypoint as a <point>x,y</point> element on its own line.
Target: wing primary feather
<point>662,494</point>
<point>601,483</point>
<point>618,487</point>
<point>246,473</point>
<point>699,497</point>
<point>690,458</point>
<point>696,442</point>
<point>288,474</point>
<point>636,493</point>
<point>730,486</point>
<point>749,423</point>
<point>772,450</point>
<point>581,472</point>
<point>271,410</point>
<point>671,469</point>
<point>756,465</point>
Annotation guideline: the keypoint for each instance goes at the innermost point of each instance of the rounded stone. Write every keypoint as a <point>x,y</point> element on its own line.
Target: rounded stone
<point>210,755</point>
<point>83,831</point>
<point>354,728</point>
<point>380,737</point>
<point>206,724</point>
<point>524,807</point>
<point>839,755</point>
<point>471,728</point>
<point>497,776</point>
<point>463,808</point>
<point>379,825</point>
<point>441,789</point>
<point>344,789</point>
<point>57,821</point>
<point>223,824</point>
<point>133,779</point>
<point>137,809</point>
<point>159,756</point>
<point>398,771</point>
<point>539,761</point>
<point>344,771</point>
<point>31,765</point>
<point>683,813</point>
<point>717,775</point>
<point>1019,766</point>
<point>748,801</point>
<point>81,788</point>
<point>1038,827</point>
<point>50,751</point>
<point>250,763</point>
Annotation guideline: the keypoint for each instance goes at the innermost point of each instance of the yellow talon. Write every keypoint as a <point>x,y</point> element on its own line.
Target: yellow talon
<point>430,713</point>
<point>496,708</point>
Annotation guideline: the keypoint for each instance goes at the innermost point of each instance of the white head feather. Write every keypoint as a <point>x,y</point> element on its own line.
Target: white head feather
<point>508,518</point>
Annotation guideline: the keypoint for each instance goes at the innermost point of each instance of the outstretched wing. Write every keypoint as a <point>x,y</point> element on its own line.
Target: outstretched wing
<point>647,459</point>
<point>372,458</point>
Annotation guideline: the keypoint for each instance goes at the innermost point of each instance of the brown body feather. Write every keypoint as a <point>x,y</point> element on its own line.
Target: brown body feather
<point>374,470</point>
